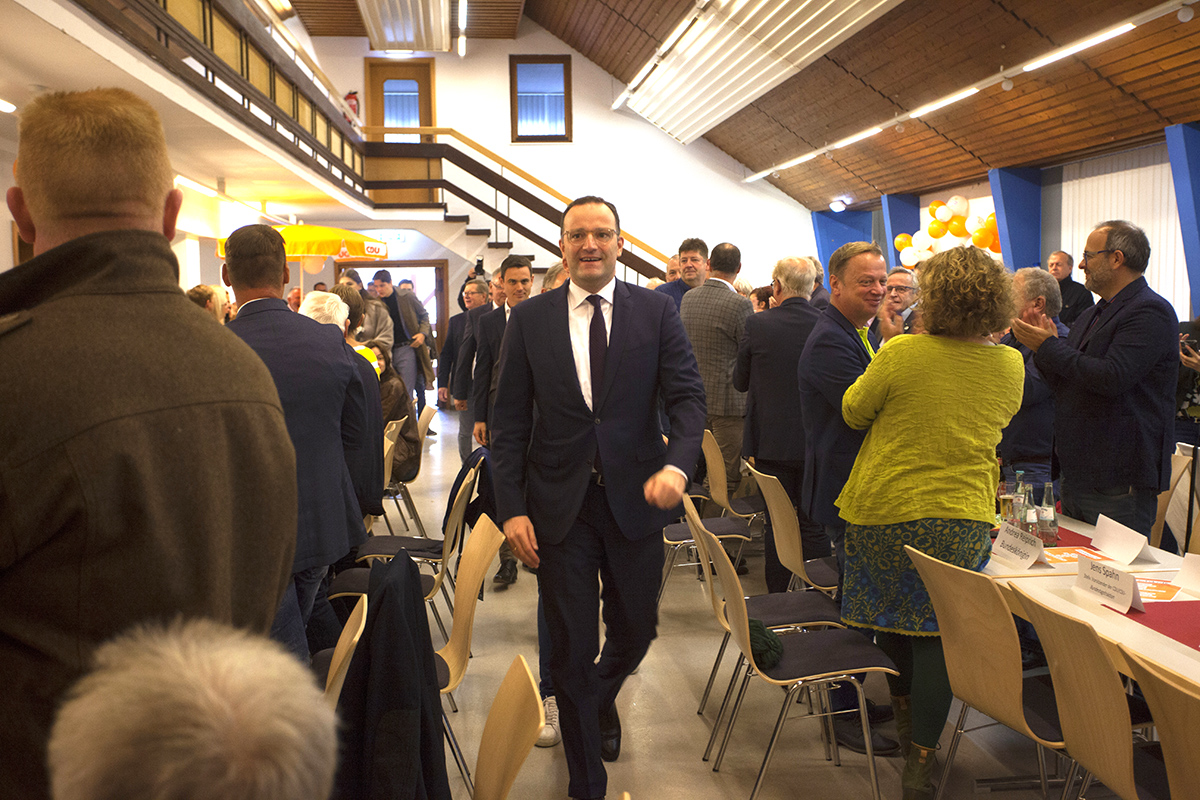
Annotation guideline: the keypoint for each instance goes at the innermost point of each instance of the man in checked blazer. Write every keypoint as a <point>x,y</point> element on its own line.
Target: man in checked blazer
<point>714,316</point>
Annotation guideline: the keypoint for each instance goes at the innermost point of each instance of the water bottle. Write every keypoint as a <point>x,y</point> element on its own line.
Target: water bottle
<point>1047,518</point>
<point>1018,501</point>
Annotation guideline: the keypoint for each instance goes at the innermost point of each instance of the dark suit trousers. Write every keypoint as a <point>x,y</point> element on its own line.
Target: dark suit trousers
<point>812,535</point>
<point>570,577</point>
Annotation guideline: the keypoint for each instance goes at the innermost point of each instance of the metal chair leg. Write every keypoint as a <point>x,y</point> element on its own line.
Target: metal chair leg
<point>412,510</point>
<point>668,565</point>
<point>438,618</point>
<point>400,513</point>
<point>783,712</point>
<point>388,522</point>
<point>958,732</point>
<point>866,728</point>
<point>712,737</point>
<point>450,699</point>
<point>458,754</point>
<point>737,707</point>
<point>712,676</point>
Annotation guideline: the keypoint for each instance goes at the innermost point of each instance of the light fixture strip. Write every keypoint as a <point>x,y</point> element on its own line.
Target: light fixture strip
<point>858,137</point>
<point>662,50</point>
<point>1140,19</point>
<point>462,17</point>
<point>7,107</point>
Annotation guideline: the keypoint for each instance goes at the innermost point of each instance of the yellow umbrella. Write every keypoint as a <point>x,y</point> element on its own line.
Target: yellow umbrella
<point>312,244</point>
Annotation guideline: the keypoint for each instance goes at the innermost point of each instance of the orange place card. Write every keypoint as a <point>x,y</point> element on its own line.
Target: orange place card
<point>1070,555</point>
<point>1155,590</point>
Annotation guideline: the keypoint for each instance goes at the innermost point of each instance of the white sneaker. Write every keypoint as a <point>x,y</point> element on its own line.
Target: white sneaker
<point>550,734</point>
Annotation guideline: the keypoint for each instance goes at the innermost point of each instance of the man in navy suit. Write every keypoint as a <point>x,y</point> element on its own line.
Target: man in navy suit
<point>464,367</point>
<point>324,405</point>
<point>1113,379</point>
<point>585,486</point>
<point>474,295</point>
<point>766,369</point>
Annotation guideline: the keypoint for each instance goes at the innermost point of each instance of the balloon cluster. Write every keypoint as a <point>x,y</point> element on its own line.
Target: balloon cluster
<point>948,219</point>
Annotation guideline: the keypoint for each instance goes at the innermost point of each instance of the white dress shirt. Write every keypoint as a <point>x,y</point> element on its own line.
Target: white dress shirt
<point>579,321</point>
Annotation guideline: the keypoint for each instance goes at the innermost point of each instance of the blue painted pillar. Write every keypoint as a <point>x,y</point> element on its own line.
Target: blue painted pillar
<point>1017,194</point>
<point>901,214</point>
<point>1183,147</point>
<point>836,229</point>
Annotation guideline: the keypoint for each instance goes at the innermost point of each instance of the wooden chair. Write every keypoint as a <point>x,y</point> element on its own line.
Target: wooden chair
<point>1092,705</point>
<point>390,434</point>
<point>1175,703</point>
<point>482,546</point>
<point>335,662</point>
<point>819,573</point>
<point>437,553</point>
<point>983,658</point>
<point>400,488</point>
<point>678,535</point>
<point>1180,466</point>
<point>812,659</point>
<point>746,508</point>
<point>776,611</point>
<point>510,732</point>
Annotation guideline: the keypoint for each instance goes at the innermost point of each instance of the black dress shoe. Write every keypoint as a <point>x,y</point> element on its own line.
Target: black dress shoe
<point>507,574</point>
<point>610,734</point>
<point>878,714</point>
<point>848,731</point>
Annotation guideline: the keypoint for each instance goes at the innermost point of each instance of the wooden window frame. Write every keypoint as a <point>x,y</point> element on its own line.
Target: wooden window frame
<point>513,61</point>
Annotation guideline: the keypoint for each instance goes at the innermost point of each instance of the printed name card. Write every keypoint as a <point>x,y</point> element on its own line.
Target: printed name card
<point>1117,541</point>
<point>1106,584</point>
<point>1018,547</point>
<point>1188,578</point>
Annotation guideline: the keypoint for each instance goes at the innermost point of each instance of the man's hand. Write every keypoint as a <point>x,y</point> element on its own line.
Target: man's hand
<point>521,538</point>
<point>460,405</point>
<point>443,395</point>
<point>665,488</point>
<point>1187,356</point>
<point>1032,336</point>
<point>889,324</point>
<point>481,433</point>
<point>417,341</point>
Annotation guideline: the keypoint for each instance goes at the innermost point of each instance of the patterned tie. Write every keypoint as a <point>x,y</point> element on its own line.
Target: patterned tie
<point>862,334</point>
<point>597,348</point>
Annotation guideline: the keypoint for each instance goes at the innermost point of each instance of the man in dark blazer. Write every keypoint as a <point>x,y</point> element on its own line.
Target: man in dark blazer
<point>464,367</point>
<point>516,276</point>
<point>767,359</point>
<point>474,294</point>
<point>584,490</point>
<point>1113,379</point>
<point>324,405</point>
<point>1075,297</point>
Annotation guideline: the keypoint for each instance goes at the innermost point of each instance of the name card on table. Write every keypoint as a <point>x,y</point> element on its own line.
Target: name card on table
<point>1188,577</point>
<point>1018,547</point>
<point>1117,541</point>
<point>1106,584</point>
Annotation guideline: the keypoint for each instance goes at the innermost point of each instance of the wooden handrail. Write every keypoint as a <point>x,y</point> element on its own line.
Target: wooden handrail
<point>506,164</point>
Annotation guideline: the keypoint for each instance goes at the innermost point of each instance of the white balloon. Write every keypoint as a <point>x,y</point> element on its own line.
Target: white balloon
<point>908,256</point>
<point>974,223</point>
<point>922,241</point>
<point>958,205</point>
<point>943,213</point>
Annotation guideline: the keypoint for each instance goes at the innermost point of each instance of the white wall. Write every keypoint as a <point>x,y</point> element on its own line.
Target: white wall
<point>665,191</point>
<point>8,155</point>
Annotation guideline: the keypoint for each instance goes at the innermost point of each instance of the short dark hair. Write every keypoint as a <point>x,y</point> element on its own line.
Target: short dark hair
<point>842,256</point>
<point>320,286</point>
<point>403,281</point>
<point>354,301</point>
<point>383,275</point>
<point>1070,259</point>
<point>1130,240</point>
<point>200,295</point>
<point>352,274</point>
<point>726,259</point>
<point>514,262</point>
<point>694,245</point>
<point>763,294</point>
<point>588,200</point>
<point>256,257</point>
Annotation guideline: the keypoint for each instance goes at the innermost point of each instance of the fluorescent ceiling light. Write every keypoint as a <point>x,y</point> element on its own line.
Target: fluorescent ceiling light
<point>462,15</point>
<point>1058,55</point>
<point>7,107</point>
<point>837,206</point>
<point>195,187</point>
<point>858,137</point>
<point>462,45</point>
<point>945,101</point>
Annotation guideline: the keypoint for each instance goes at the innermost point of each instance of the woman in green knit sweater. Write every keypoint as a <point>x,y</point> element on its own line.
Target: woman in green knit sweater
<point>926,475</point>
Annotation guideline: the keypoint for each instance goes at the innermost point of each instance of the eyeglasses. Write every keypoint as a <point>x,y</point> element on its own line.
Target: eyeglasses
<point>601,235</point>
<point>900,289</point>
<point>473,291</point>
<point>1088,256</point>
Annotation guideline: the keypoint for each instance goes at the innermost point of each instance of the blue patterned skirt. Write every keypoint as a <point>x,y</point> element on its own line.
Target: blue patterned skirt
<point>881,588</point>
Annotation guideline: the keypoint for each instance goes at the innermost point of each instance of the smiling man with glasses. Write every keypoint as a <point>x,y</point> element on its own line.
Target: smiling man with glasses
<point>1113,379</point>
<point>900,295</point>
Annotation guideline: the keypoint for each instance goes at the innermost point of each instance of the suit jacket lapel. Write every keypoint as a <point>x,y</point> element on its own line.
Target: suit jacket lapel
<point>1112,309</point>
<point>560,339</point>
<point>616,340</point>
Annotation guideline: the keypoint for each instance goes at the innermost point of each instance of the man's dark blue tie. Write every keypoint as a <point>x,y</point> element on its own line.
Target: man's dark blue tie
<point>597,348</point>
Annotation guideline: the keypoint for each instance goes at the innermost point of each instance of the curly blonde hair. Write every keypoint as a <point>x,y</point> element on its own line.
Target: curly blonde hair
<point>965,292</point>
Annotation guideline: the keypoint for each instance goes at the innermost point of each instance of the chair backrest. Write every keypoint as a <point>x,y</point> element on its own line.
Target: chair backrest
<point>390,434</point>
<point>423,422</point>
<point>1092,709</point>
<point>1179,467</point>
<point>1175,705</point>
<point>481,547</point>
<point>696,526</point>
<point>714,463</point>
<point>785,526</point>
<point>454,526</point>
<point>339,665</point>
<point>734,610</point>
<point>979,639</point>
<point>511,730</point>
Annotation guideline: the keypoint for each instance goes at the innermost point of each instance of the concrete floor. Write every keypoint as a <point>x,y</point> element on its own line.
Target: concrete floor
<point>663,737</point>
